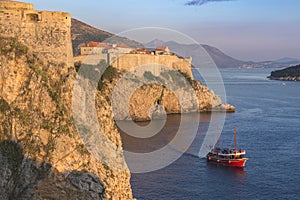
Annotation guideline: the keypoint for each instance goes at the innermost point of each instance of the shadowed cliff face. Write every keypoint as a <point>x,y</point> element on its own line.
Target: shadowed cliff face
<point>24,178</point>
<point>35,113</point>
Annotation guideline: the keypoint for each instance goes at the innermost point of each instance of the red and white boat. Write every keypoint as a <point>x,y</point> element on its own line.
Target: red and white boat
<point>228,157</point>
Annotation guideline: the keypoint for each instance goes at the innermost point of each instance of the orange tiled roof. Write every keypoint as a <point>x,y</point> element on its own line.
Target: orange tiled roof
<point>161,48</point>
<point>98,44</point>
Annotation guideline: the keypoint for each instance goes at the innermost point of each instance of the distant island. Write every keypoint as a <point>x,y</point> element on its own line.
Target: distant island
<point>287,74</point>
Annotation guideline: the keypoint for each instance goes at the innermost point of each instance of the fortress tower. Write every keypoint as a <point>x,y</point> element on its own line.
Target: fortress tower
<point>47,34</point>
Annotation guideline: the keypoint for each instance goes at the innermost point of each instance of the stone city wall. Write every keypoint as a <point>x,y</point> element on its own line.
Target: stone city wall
<point>130,61</point>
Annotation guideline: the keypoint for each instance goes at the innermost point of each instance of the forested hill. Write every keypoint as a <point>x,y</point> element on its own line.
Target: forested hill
<point>288,74</point>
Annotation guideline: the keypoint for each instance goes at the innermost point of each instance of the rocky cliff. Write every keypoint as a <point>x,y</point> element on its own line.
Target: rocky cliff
<point>149,92</point>
<point>41,153</point>
<point>144,86</point>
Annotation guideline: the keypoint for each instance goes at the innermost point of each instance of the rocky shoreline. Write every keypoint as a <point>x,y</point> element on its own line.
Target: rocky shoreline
<point>287,74</point>
<point>289,78</point>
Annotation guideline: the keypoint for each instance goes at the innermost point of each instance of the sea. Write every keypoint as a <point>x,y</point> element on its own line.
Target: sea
<point>267,118</point>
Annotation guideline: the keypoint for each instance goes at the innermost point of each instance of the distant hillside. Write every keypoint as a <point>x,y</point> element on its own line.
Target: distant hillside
<point>83,33</point>
<point>288,60</point>
<point>224,61</point>
<point>221,59</point>
<point>287,74</point>
<point>185,50</point>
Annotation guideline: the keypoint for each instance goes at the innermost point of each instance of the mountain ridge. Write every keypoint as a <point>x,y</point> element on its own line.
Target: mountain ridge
<point>287,60</point>
<point>221,59</point>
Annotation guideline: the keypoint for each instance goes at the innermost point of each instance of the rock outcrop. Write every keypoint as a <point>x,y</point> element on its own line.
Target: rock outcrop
<point>152,92</point>
<point>41,153</point>
<point>143,86</point>
<point>35,102</point>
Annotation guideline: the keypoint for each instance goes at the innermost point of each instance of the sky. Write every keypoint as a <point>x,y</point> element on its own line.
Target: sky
<point>255,30</point>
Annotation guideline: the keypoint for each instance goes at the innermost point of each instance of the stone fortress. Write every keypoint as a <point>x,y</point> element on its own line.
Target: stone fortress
<point>47,33</point>
<point>49,36</point>
<point>125,58</point>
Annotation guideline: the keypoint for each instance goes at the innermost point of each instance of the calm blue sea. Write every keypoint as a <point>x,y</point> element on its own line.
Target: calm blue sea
<point>268,121</point>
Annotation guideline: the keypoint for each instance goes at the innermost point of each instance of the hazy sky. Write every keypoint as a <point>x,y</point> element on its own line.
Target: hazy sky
<point>244,29</point>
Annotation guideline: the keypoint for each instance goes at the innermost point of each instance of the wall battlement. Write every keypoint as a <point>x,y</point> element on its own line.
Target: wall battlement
<point>15,5</point>
<point>46,33</point>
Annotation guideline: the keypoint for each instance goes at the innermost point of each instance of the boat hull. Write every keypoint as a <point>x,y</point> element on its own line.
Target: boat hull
<point>230,163</point>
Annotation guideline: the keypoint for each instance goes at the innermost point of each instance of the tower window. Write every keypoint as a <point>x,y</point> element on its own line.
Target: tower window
<point>32,17</point>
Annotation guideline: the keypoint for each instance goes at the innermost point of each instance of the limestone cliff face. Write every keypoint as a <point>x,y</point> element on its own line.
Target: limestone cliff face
<point>146,98</point>
<point>38,138</point>
<point>41,153</point>
<point>140,95</point>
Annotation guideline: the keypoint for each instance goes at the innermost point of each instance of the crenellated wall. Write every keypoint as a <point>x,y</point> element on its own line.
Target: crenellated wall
<point>15,5</point>
<point>47,33</point>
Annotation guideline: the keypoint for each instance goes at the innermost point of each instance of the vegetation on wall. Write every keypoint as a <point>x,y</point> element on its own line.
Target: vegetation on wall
<point>11,45</point>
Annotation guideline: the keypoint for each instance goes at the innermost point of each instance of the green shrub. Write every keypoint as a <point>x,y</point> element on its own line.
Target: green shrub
<point>82,150</point>
<point>150,77</point>
<point>8,45</point>
<point>4,106</point>
<point>110,73</point>
<point>53,93</point>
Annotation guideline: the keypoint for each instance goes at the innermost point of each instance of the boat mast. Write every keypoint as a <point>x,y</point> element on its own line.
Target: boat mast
<point>234,138</point>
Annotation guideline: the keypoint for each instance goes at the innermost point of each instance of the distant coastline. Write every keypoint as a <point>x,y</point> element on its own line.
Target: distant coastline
<point>287,74</point>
